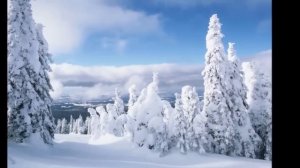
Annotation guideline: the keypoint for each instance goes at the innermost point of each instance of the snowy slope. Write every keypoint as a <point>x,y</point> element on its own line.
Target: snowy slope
<point>78,151</point>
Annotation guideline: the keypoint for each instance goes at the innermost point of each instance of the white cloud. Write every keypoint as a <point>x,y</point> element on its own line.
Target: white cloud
<point>97,81</point>
<point>68,22</point>
<point>117,44</point>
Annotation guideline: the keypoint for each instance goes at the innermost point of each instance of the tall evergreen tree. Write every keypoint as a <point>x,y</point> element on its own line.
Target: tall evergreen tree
<point>180,125</point>
<point>64,126</point>
<point>58,127</point>
<point>71,124</point>
<point>216,100</point>
<point>95,123</point>
<point>80,125</point>
<point>247,142</point>
<point>88,125</point>
<point>28,82</point>
<point>191,109</point>
<point>259,98</point>
<point>118,103</point>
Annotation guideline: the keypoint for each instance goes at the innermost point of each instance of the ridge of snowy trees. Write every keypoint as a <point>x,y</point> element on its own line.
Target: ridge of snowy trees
<point>234,118</point>
<point>28,82</point>
<point>75,126</point>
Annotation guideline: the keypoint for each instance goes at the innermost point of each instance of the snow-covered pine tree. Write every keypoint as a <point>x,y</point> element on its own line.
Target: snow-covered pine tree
<point>247,142</point>
<point>112,117</point>
<point>28,82</point>
<point>132,110</point>
<point>88,125</point>
<point>80,125</point>
<point>58,127</point>
<point>169,120</point>
<point>71,124</point>
<point>64,126</point>
<point>180,125</point>
<point>191,109</point>
<point>44,86</point>
<point>259,98</point>
<point>118,103</point>
<point>131,124</point>
<point>95,123</point>
<point>216,100</point>
<point>132,96</point>
<point>103,120</point>
<point>153,111</point>
<point>149,129</point>
<point>75,127</point>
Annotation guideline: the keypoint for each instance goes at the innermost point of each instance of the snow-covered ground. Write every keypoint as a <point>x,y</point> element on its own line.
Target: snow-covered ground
<point>110,151</point>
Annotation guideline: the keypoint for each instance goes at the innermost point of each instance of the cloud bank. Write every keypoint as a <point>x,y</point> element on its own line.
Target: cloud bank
<point>68,22</point>
<point>96,81</point>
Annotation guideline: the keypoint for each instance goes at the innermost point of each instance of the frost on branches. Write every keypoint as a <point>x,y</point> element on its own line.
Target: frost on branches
<point>259,98</point>
<point>28,82</point>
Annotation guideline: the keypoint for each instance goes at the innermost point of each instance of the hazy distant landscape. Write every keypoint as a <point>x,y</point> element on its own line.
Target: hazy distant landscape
<point>66,106</point>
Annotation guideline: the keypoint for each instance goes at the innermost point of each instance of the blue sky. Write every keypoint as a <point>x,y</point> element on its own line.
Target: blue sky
<point>171,31</point>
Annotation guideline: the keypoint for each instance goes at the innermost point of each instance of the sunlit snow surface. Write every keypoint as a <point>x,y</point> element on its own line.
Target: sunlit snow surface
<point>109,151</point>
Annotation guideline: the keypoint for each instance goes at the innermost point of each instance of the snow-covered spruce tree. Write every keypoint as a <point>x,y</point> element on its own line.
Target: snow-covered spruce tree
<point>71,124</point>
<point>131,124</point>
<point>64,126</point>
<point>58,127</point>
<point>132,96</point>
<point>191,110</point>
<point>149,127</point>
<point>118,103</point>
<point>122,117</point>
<point>112,117</point>
<point>247,142</point>
<point>95,123</point>
<point>28,83</point>
<point>103,120</point>
<point>180,125</point>
<point>75,127</point>
<point>216,100</point>
<point>80,125</point>
<point>259,98</point>
<point>169,119</point>
<point>87,124</point>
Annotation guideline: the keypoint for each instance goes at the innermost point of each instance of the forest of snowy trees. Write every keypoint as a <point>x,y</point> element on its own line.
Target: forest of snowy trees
<point>234,118</point>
